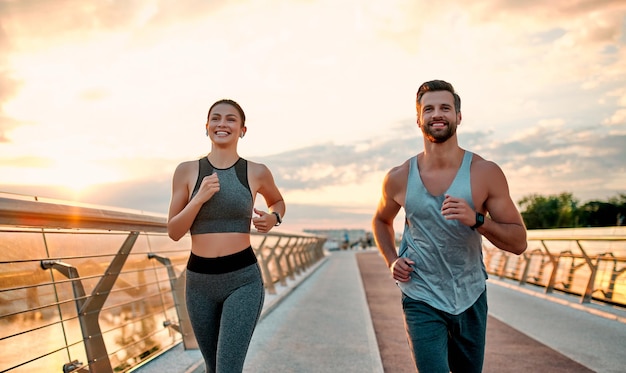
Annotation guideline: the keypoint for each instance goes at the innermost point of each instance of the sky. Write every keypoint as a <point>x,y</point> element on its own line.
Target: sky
<point>101,100</point>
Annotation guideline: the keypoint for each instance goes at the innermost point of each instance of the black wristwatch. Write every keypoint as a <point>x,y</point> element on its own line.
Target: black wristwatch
<point>278,219</point>
<point>480,220</point>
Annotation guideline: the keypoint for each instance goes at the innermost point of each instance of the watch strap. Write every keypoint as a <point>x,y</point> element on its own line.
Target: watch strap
<point>278,218</point>
<point>480,220</point>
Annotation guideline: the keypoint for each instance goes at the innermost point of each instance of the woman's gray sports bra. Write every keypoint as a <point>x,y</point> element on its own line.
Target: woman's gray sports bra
<point>230,209</point>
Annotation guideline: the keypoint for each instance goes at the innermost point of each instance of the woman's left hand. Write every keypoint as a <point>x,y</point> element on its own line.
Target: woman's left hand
<point>264,222</point>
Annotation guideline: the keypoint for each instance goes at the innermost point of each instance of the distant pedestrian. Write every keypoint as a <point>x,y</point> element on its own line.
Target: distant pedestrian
<point>213,199</point>
<point>369,241</point>
<point>450,197</point>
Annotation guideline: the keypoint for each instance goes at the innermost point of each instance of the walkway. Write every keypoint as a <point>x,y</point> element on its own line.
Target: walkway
<point>323,326</point>
<point>344,316</point>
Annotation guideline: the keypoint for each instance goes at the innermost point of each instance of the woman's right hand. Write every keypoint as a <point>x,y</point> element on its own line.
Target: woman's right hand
<point>208,187</point>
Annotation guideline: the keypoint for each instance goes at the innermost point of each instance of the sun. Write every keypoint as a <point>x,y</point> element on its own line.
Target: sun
<point>77,176</point>
<point>73,176</point>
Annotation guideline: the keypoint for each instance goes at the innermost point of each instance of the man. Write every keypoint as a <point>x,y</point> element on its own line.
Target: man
<point>450,197</point>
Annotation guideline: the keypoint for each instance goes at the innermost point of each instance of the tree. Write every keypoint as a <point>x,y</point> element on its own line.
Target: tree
<point>604,214</point>
<point>555,211</point>
<point>562,211</point>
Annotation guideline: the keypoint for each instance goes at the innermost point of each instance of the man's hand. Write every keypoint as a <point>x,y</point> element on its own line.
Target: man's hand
<point>401,269</point>
<point>458,209</point>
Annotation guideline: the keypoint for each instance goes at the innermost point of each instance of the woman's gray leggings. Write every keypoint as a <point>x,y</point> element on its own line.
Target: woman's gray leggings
<point>224,309</point>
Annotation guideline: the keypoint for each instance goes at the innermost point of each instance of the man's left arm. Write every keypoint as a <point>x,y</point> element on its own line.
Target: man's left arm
<point>504,227</point>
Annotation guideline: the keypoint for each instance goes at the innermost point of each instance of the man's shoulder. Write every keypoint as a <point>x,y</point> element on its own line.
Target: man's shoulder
<point>397,176</point>
<point>400,169</point>
<point>484,169</point>
<point>480,163</point>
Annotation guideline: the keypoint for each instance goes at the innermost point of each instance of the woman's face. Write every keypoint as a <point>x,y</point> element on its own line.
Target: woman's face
<point>224,124</point>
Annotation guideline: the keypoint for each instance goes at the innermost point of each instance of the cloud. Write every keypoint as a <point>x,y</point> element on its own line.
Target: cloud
<point>618,118</point>
<point>313,167</point>
<point>94,94</point>
<point>8,85</point>
<point>588,162</point>
<point>25,162</point>
<point>60,19</point>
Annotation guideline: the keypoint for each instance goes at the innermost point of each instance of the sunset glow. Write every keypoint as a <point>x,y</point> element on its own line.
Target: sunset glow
<point>106,98</point>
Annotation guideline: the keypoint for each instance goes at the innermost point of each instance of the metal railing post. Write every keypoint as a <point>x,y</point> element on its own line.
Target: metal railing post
<point>89,308</point>
<point>265,270</point>
<point>527,258</point>
<point>277,255</point>
<point>586,298</point>
<point>504,260</point>
<point>287,253</point>
<point>615,273</point>
<point>177,284</point>
<point>555,268</point>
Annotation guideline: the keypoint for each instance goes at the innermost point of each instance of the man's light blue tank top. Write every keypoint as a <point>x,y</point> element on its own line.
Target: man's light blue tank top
<point>449,273</point>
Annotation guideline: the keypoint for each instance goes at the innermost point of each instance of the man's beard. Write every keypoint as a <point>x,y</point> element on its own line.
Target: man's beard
<point>441,135</point>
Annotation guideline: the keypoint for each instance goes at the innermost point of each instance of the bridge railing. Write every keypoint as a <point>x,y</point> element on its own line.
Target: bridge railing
<point>592,266</point>
<point>91,289</point>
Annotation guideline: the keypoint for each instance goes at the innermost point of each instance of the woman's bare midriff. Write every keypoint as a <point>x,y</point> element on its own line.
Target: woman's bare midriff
<point>213,245</point>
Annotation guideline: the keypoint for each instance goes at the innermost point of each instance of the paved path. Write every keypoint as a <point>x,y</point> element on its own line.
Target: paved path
<point>594,339</point>
<point>323,326</point>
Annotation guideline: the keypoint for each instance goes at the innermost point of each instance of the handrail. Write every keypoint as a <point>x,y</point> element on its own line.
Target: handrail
<point>120,272</point>
<point>590,268</point>
<point>25,213</point>
<point>580,237</point>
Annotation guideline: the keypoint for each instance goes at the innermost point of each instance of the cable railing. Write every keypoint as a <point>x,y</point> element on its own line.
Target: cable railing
<point>590,263</point>
<point>92,289</point>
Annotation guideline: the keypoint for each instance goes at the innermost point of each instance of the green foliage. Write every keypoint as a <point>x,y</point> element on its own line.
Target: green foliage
<point>562,211</point>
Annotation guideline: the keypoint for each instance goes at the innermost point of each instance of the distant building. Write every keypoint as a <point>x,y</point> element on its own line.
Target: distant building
<point>344,238</point>
<point>339,234</point>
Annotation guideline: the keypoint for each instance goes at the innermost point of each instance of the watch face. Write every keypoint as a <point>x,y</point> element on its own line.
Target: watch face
<point>480,219</point>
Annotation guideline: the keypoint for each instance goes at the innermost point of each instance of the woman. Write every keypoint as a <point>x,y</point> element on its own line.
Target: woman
<point>213,199</point>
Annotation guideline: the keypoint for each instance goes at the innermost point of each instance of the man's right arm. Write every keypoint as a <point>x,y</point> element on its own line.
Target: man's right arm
<point>385,236</point>
<point>382,225</point>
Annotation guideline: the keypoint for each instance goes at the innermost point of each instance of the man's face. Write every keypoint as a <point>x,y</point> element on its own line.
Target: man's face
<point>438,118</point>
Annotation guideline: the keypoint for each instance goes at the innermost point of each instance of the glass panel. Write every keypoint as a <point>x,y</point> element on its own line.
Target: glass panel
<point>18,280</point>
<point>49,363</point>
<point>64,244</point>
<point>28,320</point>
<point>31,345</point>
<point>21,244</point>
<point>73,332</point>
<point>163,244</point>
